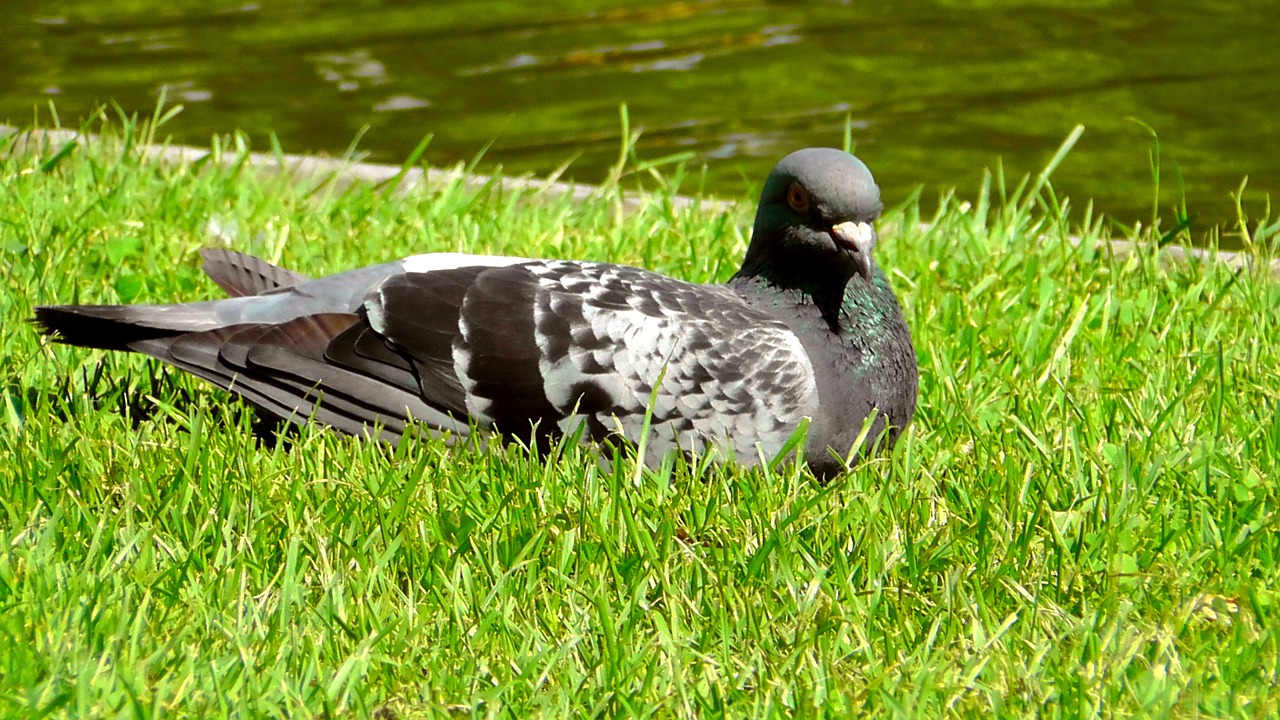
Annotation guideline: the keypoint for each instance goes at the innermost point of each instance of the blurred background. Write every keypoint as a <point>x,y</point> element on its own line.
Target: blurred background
<point>934,91</point>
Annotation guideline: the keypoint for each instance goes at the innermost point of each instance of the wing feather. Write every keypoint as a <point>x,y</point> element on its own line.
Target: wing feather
<point>551,344</point>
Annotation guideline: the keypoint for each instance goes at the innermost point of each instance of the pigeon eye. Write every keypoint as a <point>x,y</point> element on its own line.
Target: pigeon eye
<point>797,198</point>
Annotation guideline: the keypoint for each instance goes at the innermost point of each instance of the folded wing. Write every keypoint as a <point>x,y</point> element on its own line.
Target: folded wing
<point>552,344</point>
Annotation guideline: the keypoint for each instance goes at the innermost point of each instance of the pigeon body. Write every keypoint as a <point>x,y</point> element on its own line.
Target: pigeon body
<point>535,349</point>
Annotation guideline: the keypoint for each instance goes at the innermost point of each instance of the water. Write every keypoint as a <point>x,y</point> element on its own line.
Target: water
<point>934,91</point>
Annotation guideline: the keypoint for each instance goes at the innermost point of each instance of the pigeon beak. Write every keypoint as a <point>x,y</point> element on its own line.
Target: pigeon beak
<point>857,239</point>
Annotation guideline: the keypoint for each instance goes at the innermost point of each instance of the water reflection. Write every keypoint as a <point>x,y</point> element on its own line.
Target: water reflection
<point>933,91</point>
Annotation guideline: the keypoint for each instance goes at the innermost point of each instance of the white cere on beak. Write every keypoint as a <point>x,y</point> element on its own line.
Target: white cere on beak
<point>857,236</point>
<point>859,239</point>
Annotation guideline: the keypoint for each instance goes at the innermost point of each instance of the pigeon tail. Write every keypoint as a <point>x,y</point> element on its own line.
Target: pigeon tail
<point>239,274</point>
<point>117,327</point>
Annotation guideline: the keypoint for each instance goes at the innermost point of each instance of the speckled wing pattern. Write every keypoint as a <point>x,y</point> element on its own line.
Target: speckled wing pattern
<point>553,344</point>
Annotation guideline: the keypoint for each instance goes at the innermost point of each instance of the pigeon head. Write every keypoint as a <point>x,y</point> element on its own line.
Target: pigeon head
<point>815,217</point>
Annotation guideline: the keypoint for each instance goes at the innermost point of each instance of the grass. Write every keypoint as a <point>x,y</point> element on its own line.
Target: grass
<point>1080,522</point>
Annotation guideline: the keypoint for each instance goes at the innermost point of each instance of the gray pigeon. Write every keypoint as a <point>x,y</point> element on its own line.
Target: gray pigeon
<point>534,349</point>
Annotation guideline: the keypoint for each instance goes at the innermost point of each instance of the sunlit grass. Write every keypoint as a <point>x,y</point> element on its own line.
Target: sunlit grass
<point>1081,518</point>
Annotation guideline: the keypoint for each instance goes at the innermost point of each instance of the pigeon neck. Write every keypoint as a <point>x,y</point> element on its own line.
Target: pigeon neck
<point>797,268</point>
<point>821,281</point>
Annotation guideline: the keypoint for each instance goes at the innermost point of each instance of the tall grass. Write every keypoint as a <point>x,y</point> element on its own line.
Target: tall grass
<point>1081,521</point>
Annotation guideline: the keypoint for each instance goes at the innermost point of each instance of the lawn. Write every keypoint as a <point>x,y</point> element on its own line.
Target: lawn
<point>1081,520</point>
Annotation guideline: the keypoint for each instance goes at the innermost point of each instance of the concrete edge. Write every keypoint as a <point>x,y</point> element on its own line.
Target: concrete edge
<point>345,172</point>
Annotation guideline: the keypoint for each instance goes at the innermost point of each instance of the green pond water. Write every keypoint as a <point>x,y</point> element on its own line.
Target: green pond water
<point>934,92</point>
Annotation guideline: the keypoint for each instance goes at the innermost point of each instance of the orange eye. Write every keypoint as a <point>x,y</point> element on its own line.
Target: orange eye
<point>797,198</point>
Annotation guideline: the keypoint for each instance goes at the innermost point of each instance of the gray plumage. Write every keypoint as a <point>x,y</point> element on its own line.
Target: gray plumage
<point>534,349</point>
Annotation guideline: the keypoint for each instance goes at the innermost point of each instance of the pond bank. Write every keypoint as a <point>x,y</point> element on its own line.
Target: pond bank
<point>345,172</point>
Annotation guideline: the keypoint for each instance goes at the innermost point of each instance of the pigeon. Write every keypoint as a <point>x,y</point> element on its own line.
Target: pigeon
<point>807,331</point>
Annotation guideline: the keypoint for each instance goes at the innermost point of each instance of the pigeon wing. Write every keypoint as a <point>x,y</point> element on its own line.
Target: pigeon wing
<point>538,348</point>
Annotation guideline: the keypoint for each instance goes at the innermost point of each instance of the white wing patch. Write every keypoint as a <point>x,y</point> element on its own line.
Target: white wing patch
<point>434,262</point>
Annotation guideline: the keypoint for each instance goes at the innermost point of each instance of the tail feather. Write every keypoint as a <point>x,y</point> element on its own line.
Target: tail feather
<point>197,353</point>
<point>240,275</point>
<point>282,369</point>
<point>117,327</point>
<point>107,327</point>
<point>221,357</point>
<point>293,354</point>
